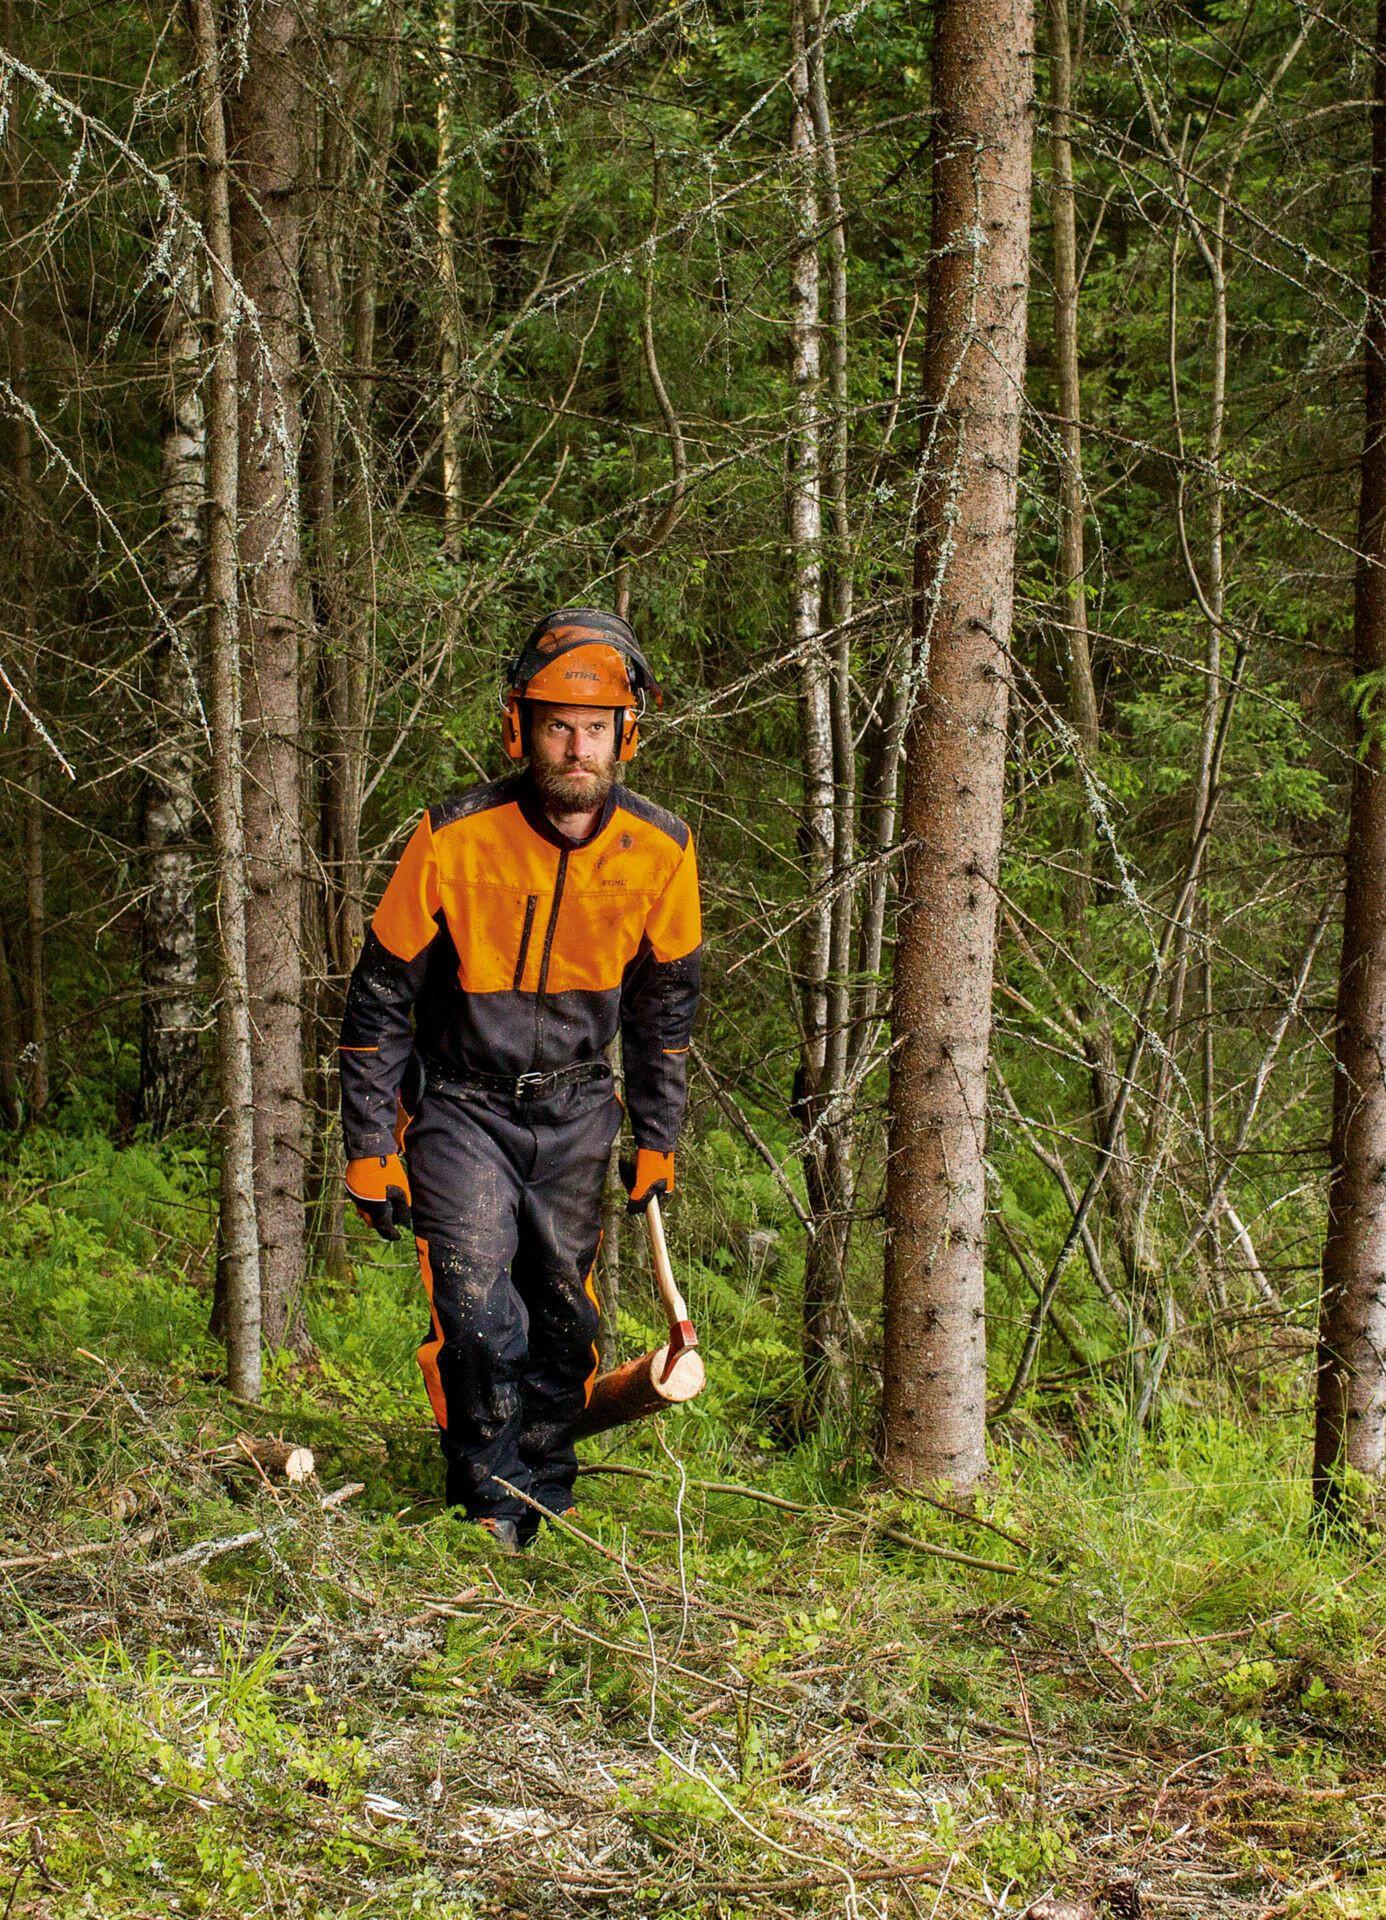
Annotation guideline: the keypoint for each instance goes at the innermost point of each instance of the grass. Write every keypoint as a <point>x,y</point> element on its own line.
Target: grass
<point>694,1702</point>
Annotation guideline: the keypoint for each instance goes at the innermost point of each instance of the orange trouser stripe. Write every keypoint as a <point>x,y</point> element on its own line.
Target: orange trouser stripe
<point>589,1287</point>
<point>429,1351</point>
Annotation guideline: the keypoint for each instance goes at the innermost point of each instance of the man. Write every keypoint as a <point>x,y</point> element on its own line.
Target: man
<point>527,921</point>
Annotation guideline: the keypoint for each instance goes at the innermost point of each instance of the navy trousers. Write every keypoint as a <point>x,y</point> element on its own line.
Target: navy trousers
<point>507,1198</point>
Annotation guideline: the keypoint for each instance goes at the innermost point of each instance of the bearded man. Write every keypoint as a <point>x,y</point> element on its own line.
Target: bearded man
<point>528,921</point>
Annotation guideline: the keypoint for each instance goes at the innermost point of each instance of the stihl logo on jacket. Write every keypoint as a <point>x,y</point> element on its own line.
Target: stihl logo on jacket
<point>517,951</point>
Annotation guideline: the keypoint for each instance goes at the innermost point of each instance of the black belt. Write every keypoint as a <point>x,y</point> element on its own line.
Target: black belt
<point>524,1086</point>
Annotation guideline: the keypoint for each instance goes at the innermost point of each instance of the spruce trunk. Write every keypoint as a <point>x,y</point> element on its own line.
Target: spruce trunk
<point>1350,1430</point>
<point>23,625</point>
<point>974,365</point>
<point>266,151</point>
<point>237,1309</point>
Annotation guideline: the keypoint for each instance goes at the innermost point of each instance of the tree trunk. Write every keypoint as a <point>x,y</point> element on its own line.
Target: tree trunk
<point>335,916</point>
<point>238,1264</point>
<point>836,1109</point>
<point>838,591</point>
<point>974,365</point>
<point>346,614</point>
<point>1350,1429</point>
<point>448,293</point>
<point>10,1038</point>
<point>31,754</point>
<point>169,1030</point>
<point>1071,582</point>
<point>36,1052</point>
<point>1072,568</point>
<point>880,793</point>
<point>266,142</point>
<point>824,1355</point>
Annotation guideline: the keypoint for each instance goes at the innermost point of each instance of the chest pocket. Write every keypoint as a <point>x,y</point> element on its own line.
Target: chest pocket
<point>598,936</point>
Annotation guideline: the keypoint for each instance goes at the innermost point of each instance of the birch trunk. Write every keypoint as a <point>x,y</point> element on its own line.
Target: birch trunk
<point>824,1358</point>
<point>266,153</point>
<point>451,348</point>
<point>169,1033</point>
<point>838,592</point>
<point>238,1265</point>
<point>974,367</point>
<point>837,1171</point>
<point>1350,1429</point>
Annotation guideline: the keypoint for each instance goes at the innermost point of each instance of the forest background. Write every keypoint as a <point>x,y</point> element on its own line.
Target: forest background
<point>996,485</point>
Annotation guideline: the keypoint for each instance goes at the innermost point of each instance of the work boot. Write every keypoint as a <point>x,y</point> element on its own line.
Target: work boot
<point>504,1532</point>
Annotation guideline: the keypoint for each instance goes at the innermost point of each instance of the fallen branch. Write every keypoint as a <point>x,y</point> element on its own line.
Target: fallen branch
<point>872,1876</point>
<point>205,1550</point>
<point>894,1534</point>
<point>141,1539</point>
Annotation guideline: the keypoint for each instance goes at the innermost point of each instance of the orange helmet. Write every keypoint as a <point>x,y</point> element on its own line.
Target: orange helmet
<point>579,657</point>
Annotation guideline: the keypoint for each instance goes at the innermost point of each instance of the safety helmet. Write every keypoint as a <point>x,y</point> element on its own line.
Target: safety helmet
<point>580,657</point>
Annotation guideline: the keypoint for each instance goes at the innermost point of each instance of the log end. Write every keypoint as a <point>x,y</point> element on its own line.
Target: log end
<point>687,1377</point>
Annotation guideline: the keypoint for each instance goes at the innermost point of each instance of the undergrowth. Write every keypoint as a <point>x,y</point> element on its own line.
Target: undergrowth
<point>224,1698</point>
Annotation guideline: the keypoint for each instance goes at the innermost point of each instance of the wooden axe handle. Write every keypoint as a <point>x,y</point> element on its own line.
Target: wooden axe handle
<point>674,1303</point>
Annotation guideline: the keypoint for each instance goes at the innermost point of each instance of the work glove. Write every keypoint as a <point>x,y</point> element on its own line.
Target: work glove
<point>380,1188</point>
<point>648,1174</point>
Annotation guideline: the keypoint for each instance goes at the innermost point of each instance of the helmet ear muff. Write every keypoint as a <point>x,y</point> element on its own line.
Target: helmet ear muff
<point>628,723</point>
<point>514,729</point>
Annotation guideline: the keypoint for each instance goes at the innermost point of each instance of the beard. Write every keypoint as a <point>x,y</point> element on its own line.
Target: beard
<point>571,792</point>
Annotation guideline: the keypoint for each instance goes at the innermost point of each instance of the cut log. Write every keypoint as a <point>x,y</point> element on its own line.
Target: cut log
<point>278,1460</point>
<point>638,1389</point>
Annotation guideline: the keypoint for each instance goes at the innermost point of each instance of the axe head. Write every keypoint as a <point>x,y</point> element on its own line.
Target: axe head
<point>682,1335</point>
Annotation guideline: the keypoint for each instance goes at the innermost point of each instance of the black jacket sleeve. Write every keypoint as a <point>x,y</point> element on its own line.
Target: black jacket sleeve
<point>377,1027</point>
<point>659,998</point>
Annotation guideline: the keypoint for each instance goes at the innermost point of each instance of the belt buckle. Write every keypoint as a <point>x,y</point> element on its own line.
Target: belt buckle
<point>529,1084</point>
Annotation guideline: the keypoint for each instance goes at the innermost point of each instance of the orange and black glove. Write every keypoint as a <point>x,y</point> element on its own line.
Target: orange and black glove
<point>380,1190</point>
<point>648,1174</point>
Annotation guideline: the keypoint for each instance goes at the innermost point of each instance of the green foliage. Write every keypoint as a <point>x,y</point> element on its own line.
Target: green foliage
<point>312,1719</point>
<point>217,1736</point>
<point>87,1223</point>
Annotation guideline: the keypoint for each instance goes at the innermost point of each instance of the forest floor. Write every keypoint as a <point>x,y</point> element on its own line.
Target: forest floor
<point>226,1698</point>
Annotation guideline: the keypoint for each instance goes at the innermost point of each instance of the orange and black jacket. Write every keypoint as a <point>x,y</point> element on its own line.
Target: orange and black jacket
<point>500,947</point>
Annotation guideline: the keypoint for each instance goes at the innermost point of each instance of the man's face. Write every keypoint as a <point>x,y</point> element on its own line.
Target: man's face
<point>572,755</point>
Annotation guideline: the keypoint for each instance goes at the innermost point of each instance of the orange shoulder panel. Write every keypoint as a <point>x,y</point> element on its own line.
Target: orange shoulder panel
<point>404,921</point>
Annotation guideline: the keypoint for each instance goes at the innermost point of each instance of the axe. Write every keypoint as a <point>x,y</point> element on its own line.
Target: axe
<point>667,1377</point>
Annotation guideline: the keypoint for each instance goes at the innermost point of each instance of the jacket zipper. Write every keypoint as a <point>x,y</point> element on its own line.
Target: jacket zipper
<point>530,904</point>
<point>544,962</point>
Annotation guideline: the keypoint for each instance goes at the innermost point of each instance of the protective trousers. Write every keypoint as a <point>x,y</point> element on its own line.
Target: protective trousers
<point>507,1218</point>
